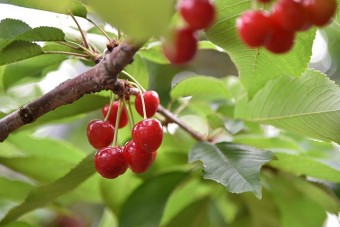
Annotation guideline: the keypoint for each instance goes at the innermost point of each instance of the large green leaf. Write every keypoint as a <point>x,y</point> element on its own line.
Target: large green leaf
<point>18,51</point>
<point>237,167</point>
<point>309,105</point>
<point>29,70</point>
<point>256,66</point>
<point>148,201</point>
<point>61,6</point>
<point>42,34</point>
<point>11,28</point>
<point>201,86</point>
<point>145,18</point>
<point>13,190</point>
<point>43,195</point>
<point>19,224</point>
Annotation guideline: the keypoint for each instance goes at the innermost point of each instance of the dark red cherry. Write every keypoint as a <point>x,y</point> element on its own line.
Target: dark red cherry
<point>320,12</point>
<point>254,27</point>
<point>138,160</point>
<point>113,114</point>
<point>109,162</point>
<point>100,133</point>
<point>199,14</point>
<point>181,47</point>
<point>148,134</point>
<point>280,41</point>
<point>151,100</point>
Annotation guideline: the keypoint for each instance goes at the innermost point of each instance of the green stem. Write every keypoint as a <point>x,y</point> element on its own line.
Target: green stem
<point>142,97</point>
<point>70,43</point>
<point>119,113</point>
<point>112,98</point>
<point>134,80</point>
<point>101,30</point>
<point>131,120</point>
<point>67,53</point>
<point>81,32</point>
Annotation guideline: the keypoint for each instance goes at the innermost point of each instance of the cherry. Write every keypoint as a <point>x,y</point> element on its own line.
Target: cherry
<point>181,47</point>
<point>291,15</point>
<point>254,27</point>
<point>138,160</point>
<point>199,14</point>
<point>148,134</point>
<point>151,100</point>
<point>109,162</point>
<point>100,133</point>
<point>320,11</point>
<point>113,114</point>
<point>280,40</point>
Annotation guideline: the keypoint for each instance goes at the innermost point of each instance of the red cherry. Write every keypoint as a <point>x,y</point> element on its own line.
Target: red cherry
<point>113,114</point>
<point>254,27</point>
<point>199,14</point>
<point>148,134</point>
<point>138,160</point>
<point>291,15</point>
<point>281,41</point>
<point>151,100</point>
<point>109,162</point>
<point>182,47</point>
<point>100,133</point>
<point>320,12</point>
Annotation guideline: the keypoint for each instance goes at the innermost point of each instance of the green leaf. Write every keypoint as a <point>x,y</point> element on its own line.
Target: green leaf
<point>18,51</point>
<point>11,28</point>
<point>13,190</point>
<point>152,195</point>
<point>308,105</point>
<point>237,167</point>
<point>19,224</point>
<point>153,52</point>
<point>145,18</point>
<point>42,34</point>
<point>30,69</point>
<point>43,195</point>
<point>302,164</point>
<point>61,6</point>
<point>198,214</point>
<point>256,66</point>
<point>139,71</point>
<point>202,87</point>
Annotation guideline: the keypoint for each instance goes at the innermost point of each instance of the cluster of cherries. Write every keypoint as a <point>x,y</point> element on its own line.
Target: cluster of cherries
<point>182,45</point>
<point>137,154</point>
<point>276,30</point>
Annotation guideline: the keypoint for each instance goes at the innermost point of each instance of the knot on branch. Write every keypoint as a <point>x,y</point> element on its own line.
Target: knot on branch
<point>26,115</point>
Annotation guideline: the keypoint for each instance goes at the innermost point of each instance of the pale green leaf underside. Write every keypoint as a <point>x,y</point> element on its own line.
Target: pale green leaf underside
<point>308,105</point>
<point>201,86</point>
<point>256,66</point>
<point>237,167</point>
<point>41,196</point>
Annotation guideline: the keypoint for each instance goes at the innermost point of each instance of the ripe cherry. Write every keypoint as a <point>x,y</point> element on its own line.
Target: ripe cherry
<point>109,162</point>
<point>100,133</point>
<point>138,160</point>
<point>199,14</point>
<point>281,41</point>
<point>291,15</point>
<point>151,100</point>
<point>113,114</point>
<point>181,47</point>
<point>148,134</point>
<point>320,12</point>
<point>254,27</point>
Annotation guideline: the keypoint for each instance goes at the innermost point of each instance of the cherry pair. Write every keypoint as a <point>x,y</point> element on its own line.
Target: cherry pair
<point>182,45</point>
<point>276,30</point>
<point>137,154</point>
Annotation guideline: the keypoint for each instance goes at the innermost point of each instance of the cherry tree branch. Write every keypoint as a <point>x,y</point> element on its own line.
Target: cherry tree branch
<point>103,76</point>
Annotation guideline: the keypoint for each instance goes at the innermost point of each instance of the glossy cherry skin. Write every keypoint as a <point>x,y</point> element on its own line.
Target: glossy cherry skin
<point>181,47</point>
<point>113,114</point>
<point>100,133</point>
<point>151,100</point>
<point>138,160</point>
<point>110,162</point>
<point>199,14</point>
<point>281,41</point>
<point>254,27</point>
<point>320,11</point>
<point>148,134</point>
<point>291,15</point>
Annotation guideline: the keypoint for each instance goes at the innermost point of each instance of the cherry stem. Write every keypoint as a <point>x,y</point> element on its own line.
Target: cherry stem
<point>119,113</point>
<point>112,98</point>
<point>76,46</point>
<point>134,80</point>
<point>81,31</point>
<point>131,120</point>
<point>67,53</point>
<point>100,29</point>
<point>142,97</point>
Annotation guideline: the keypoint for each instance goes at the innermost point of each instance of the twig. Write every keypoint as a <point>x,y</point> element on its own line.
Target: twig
<point>103,76</point>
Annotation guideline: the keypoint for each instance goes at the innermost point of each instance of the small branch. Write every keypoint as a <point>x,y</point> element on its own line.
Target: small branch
<point>103,76</point>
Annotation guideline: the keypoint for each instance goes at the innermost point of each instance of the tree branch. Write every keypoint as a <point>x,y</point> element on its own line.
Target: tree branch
<point>103,76</point>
